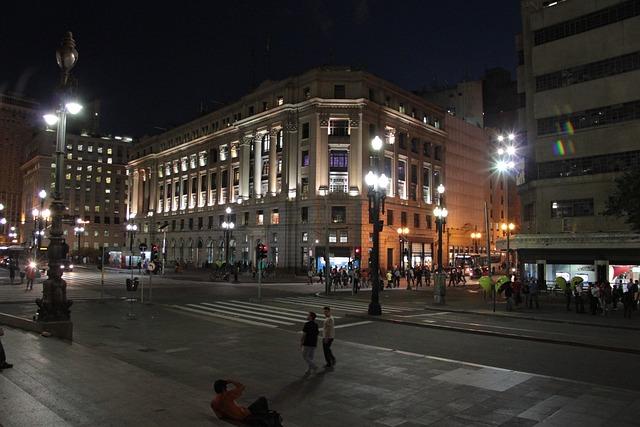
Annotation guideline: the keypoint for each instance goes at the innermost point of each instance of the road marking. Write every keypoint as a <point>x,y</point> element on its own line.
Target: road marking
<point>232,313</point>
<point>177,350</point>
<point>354,324</point>
<point>337,305</point>
<point>234,319</point>
<point>278,308</point>
<point>440,313</point>
<point>234,308</point>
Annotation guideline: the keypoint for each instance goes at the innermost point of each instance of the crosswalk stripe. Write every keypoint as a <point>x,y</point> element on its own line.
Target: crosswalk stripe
<point>338,305</point>
<point>252,311</point>
<point>329,301</point>
<point>280,309</point>
<point>217,310</point>
<point>235,319</point>
<point>268,309</point>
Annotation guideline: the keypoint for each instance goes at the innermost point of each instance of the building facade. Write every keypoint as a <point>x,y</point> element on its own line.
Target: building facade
<point>580,68</point>
<point>18,117</point>
<point>272,155</point>
<point>95,188</point>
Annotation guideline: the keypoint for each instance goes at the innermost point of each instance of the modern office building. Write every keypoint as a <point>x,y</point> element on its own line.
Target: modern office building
<point>290,159</point>
<point>18,116</point>
<point>95,188</point>
<point>580,73</point>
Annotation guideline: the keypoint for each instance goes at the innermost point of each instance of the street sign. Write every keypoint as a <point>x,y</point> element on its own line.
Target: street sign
<point>142,247</point>
<point>151,266</point>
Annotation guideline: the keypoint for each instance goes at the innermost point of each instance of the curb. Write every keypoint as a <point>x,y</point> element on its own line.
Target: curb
<point>499,334</point>
<point>511,316</point>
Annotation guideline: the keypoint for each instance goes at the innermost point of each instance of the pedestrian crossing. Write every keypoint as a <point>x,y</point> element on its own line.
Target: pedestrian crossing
<point>277,312</point>
<point>18,294</point>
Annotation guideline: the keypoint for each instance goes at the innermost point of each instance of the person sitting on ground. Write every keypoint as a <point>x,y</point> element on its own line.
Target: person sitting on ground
<point>225,406</point>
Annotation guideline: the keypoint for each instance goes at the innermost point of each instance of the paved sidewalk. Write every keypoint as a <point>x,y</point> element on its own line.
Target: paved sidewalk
<point>147,372</point>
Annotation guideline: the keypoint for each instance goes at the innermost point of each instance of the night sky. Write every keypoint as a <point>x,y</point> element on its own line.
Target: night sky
<point>152,64</point>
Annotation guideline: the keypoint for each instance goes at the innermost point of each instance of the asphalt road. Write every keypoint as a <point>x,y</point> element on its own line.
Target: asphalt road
<point>596,366</point>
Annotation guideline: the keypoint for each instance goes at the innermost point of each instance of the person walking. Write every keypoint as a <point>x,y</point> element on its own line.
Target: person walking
<point>594,294</point>
<point>419,272</point>
<point>508,294</point>
<point>567,296</point>
<point>578,298</point>
<point>328,334</point>
<point>309,342</point>
<point>627,302</point>
<point>533,292</point>
<point>389,279</point>
<point>525,292</point>
<point>427,276</point>
<point>3,357</point>
<point>356,281</point>
<point>310,276</point>
<point>31,275</point>
<point>12,271</point>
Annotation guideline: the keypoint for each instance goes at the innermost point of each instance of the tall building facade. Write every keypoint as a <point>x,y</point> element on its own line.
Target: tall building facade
<point>272,155</point>
<point>18,117</point>
<point>95,188</point>
<point>580,68</point>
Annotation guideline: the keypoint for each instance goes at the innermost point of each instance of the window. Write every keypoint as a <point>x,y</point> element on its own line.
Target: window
<point>305,158</point>
<point>572,208</point>
<point>339,160</point>
<point>339,127</point>
<point>305,130</point>
<point>529,213</point>
<point>416,220</point>
<point>280,100</point>
<point>307,92</point>
<point>266,143</point>
<point>182,224</point>
<point>190,223</point>
<point>600,116</point>
<point>304,215</point>
<point>339,91</point>
<point>414,145</point>
<point>225,179</point>
<point>437,154</point>
<point>305,236</point>
<point>403,219</point>
<point>344,236</point>
<point>332,236</point>
<point>401,108</point>
<point>260,217</point>
<point>223,152</point>
<point>389,217</point>
<point>597,19</point>
<point>429,222</point>
<point>275,217</point>
<point>338,214</point>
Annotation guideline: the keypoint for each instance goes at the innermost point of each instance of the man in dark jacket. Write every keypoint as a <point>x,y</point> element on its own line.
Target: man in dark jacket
<point>309,342</point>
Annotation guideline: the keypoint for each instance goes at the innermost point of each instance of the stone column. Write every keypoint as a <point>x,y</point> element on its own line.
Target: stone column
<point>133,209</point>
<point>320,147</point>
<point>153,188</point>
<point>257,165</point>
<point>355,152</point>
<point>290,159</point>
<point>273,162</point>
<point>245,154</point>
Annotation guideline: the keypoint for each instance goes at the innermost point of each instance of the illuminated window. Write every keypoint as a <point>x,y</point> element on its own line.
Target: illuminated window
<point>280,100</point>
<point>109,160</point>
<point>68,177</point>
<point>109,151</point>
<point>259,217</point>
<point>275,217</point>
<point>108,180</point>
<point>80,147</point>
<point>90,148</point>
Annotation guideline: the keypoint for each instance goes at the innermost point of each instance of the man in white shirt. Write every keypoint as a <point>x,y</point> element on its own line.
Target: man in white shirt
<point>328,333</point>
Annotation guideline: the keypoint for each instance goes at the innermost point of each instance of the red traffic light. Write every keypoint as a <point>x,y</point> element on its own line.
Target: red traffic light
<point>358,249</point>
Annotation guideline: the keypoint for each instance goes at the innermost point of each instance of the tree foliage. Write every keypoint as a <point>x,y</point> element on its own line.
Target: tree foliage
<point>625,200</point>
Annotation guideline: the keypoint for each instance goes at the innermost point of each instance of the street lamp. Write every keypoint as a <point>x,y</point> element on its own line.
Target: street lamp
<point>441,214</point>
<point>227,226</point>
<point>79,229</point>
<point>131,229</point>
<point>508,228</point>
<point>402,233</point>
<point>377,185</point>
<point>54,305</point>
<point>505,165</point>
<point>475,236</point>
<point>323,191</point>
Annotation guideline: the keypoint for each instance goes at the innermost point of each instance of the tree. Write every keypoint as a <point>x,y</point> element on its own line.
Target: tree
<point>625,200</point>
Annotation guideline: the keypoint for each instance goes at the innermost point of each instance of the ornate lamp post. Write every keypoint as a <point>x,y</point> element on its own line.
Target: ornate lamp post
<point>54,305</point>
<point>475,236</point>
<point>440,213</point>
<point>402,233</point>
<point>377,185</point>
<point>79,230</point>
<point>508,228</point>
<point>323,191</point>
<point>227,227</point>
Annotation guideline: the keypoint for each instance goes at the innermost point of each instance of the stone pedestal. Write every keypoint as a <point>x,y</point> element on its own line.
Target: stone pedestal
<point>439,288</point>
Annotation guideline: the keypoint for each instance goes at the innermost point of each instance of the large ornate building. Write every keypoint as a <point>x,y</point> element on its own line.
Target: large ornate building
<point>273,154</point>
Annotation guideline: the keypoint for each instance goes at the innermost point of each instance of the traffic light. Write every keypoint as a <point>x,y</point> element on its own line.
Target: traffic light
<point>261,251</point>
<point>358,252</point>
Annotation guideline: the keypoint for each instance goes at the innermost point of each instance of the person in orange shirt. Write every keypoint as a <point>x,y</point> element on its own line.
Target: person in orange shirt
<point>225,406</point>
